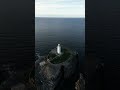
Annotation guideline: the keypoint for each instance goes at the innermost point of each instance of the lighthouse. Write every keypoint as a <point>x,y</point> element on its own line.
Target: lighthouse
<point>59,49</point>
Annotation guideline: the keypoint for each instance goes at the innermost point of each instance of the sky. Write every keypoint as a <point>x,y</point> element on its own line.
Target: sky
<point>60,8</point>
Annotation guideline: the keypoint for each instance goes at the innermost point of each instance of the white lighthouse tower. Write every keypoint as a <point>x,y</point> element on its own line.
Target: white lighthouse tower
<point>59,49</point>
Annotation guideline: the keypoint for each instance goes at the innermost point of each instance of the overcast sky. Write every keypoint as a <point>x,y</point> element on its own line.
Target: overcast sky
<point>60,8</point>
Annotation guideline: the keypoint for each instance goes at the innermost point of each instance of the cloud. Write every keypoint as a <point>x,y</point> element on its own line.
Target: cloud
<point>60,8</point>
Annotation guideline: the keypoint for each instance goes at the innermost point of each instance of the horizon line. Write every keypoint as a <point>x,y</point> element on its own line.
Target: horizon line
<point>57,17</point>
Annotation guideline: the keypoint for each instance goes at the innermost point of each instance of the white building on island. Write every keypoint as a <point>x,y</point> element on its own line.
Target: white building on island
<point>59,49</point>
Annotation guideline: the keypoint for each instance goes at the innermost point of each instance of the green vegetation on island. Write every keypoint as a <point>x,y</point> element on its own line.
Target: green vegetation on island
<point>60,58</point>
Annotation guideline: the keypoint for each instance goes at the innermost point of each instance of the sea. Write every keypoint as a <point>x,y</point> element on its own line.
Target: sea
<point>69,32</point>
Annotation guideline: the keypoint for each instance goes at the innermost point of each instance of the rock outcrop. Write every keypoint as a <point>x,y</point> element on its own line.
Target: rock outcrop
<point>80,84</point>
<point>49,75</point>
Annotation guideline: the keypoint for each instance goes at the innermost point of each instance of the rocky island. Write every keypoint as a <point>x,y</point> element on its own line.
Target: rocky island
<point>53,71</point>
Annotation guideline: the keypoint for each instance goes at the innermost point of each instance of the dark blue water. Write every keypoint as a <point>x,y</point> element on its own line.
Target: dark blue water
<point>70,32</point>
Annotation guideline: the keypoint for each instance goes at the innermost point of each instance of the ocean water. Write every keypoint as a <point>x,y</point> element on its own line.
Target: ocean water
<point>69,32</point>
